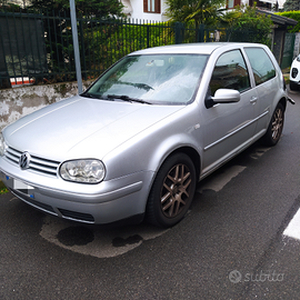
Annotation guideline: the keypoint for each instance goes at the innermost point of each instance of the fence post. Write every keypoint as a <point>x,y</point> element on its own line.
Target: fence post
<point>4,75</point>
<point>200,35</point>
<point>82,48</point>
<point>148,36</point>
<point>179,31</point>
<point>76,45</point>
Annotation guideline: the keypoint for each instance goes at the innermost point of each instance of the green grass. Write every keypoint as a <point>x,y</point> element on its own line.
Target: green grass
<point>3,189</point>
<point>286,75</point>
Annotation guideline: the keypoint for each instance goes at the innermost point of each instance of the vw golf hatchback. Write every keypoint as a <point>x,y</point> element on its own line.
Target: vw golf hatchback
<point>135,144</point>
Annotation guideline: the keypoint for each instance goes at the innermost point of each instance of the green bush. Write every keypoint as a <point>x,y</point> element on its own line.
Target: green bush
<point>295,15</point>
<point>246,24</point>
<point>3,189</point>
<point>111,42</point>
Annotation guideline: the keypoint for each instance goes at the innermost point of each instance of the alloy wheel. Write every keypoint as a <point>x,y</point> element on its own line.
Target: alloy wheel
<point>175,190</point>
<point>277,124</point>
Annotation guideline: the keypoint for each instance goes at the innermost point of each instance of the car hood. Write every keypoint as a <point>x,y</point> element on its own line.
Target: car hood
<point>82,128</point>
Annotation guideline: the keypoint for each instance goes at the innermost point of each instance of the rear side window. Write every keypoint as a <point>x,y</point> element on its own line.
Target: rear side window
<point>230,72</point>
<point>261,64</point>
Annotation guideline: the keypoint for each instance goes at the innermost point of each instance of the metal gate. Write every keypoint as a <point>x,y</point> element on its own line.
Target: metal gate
<point>288,50</point>
<point>22,47</point>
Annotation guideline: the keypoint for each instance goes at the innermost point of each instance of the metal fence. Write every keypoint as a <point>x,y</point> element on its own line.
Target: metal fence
<point>288,50</point>
<point>38,48</point>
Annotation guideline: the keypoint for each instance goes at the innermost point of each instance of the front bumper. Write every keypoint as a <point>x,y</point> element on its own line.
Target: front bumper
<point>295,82</point>
<point>115,200</point>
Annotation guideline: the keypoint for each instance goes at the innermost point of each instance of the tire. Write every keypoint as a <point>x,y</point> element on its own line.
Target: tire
<point>274,131</point>
<point>172,191</point>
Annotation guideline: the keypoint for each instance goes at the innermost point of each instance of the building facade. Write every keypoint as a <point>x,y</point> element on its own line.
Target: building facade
<point>155,10</point>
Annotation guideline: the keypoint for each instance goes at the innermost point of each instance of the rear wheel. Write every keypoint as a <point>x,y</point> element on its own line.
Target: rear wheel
<point>274,131</point>
<point>172,191</point>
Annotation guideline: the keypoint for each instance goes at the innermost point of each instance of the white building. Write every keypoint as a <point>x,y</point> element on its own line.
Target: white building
<point>151,10</point>
<point>155,10</point>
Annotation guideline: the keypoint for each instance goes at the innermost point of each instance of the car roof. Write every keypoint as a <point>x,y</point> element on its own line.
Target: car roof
<point>196,48</point>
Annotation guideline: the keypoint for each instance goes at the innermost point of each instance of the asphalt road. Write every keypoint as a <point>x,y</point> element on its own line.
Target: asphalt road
<point>231,245</point>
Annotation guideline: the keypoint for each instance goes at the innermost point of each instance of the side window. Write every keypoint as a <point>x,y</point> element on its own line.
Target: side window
<point>230,73</point>
<point>261,64</point>
<point>230,4</point>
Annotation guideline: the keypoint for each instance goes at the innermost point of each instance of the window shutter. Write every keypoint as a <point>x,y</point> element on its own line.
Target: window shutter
<point>157,6</point>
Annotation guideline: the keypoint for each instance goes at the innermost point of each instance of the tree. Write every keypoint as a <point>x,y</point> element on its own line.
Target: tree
<point>246,24</point>
<point>291,5</point>
<point>196,11</point>
<point>58,35</point>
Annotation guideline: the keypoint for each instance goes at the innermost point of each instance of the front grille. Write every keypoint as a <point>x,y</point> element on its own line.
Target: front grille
<point>45,207</point>
<point>77,215</point>
<point>36,164</point>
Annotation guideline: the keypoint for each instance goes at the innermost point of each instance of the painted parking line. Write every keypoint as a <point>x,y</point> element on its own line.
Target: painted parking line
<point>219,181</point>
<point>259,152</point>
<point>293,229</point>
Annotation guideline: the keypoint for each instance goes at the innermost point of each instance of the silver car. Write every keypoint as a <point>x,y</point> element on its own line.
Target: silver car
<point>135,144</point>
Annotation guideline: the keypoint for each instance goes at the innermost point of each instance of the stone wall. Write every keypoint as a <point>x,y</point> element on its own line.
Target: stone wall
<point>20,101</point>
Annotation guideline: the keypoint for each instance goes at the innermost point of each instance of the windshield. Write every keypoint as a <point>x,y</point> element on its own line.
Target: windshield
<point>152,79</point>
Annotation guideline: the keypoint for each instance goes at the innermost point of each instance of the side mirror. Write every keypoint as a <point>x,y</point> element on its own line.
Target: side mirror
<point>223,96</point>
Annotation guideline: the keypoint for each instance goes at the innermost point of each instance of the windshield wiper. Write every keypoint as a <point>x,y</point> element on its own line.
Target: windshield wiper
<point>90,95</point>
<point>127,98</point>
<point>113,97</point>
<point>95,96</point>
<point>138,85</point>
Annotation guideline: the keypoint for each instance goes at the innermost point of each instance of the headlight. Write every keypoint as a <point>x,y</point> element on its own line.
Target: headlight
<point>2,145</point>
<point>83,170</point>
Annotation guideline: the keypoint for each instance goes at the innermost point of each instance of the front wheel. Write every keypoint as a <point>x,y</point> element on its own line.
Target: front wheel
<point>274,131</point>
<point>172,191</point>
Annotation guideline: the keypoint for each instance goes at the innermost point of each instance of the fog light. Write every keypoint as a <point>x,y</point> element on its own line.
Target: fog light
<point>294,72</point>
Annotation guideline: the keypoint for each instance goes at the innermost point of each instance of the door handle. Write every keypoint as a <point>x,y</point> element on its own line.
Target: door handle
<point>253,99</point>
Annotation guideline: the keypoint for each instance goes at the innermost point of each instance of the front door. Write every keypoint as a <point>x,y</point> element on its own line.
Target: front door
<point>229,127</point>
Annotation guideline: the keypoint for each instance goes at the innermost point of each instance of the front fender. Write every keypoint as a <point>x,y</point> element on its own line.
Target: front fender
<point>148,150</point>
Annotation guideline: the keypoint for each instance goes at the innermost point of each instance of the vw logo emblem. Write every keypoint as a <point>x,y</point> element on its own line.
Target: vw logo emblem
<point>24,160</point>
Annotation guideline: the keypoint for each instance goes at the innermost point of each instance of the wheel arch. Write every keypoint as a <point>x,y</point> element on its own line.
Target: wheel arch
<point>283,102</point>
<point>194,156</point>
<point>151,212</point>
<point>189,151</point>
